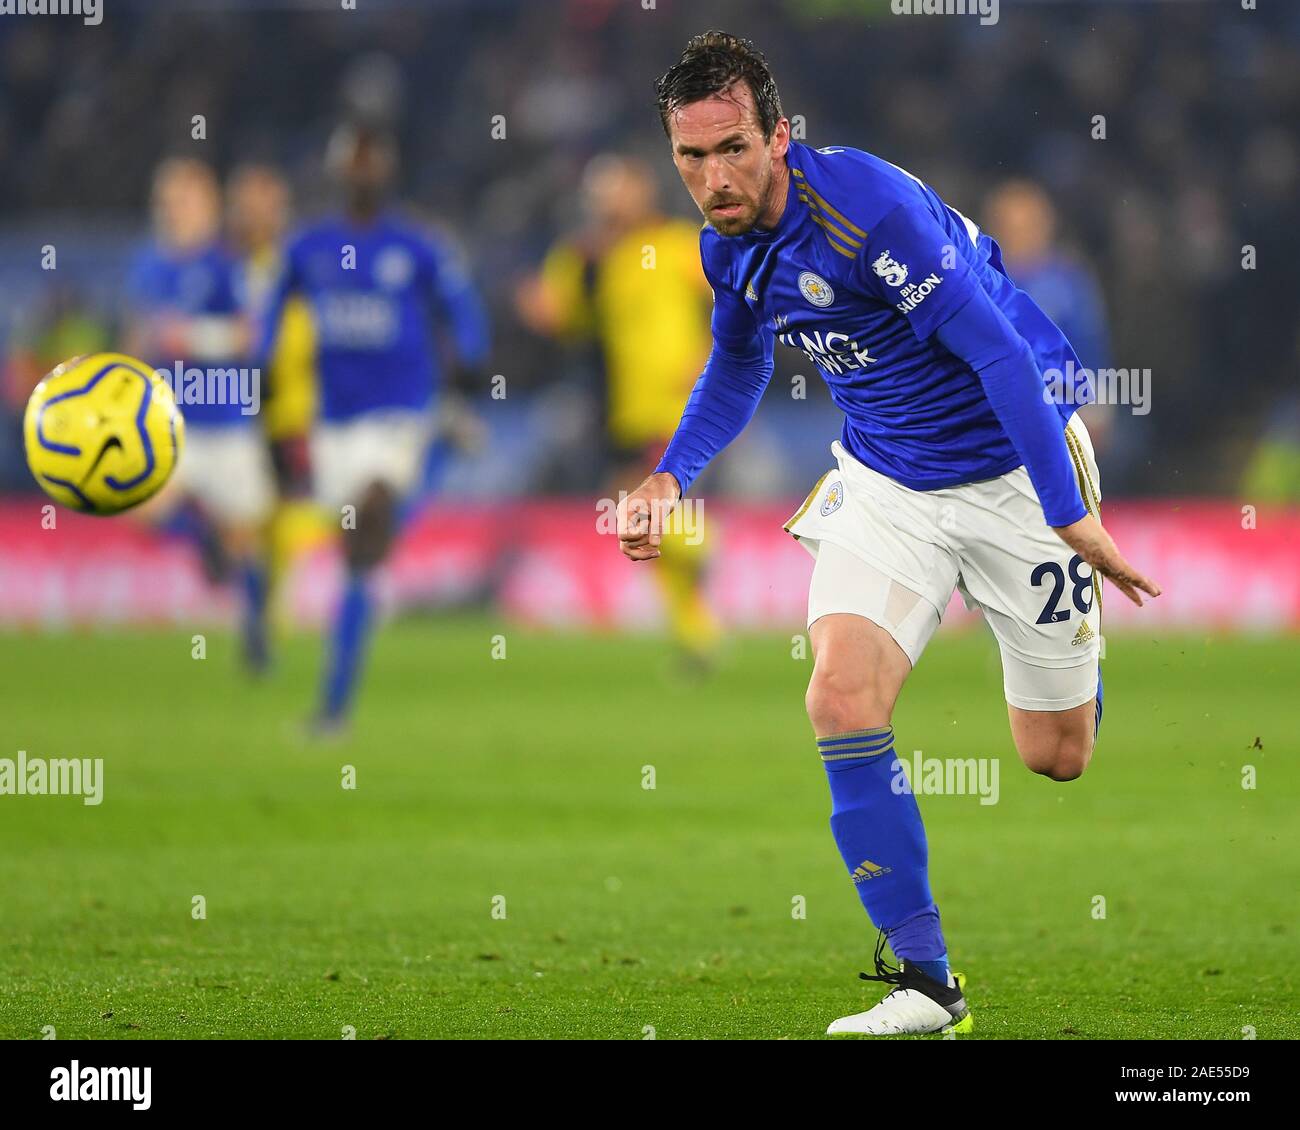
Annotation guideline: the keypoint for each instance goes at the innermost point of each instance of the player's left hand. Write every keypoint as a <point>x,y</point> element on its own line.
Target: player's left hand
<point>1089,539</point>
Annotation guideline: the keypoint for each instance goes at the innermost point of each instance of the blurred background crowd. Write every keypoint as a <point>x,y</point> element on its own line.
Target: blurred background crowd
<point>1134,240</point>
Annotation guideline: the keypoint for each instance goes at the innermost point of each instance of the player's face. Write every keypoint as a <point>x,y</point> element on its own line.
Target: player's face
<point>259,205</point>
<point>725,162</point>
<point>186,206</point>
<point>365,166</point>
<point>1020,216</point>
<point>618,193</point>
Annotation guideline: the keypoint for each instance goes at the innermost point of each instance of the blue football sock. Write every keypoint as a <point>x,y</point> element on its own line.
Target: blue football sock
<point>935,970</point>
<point>252,578</point>
<point>877,827</point>
<point>189,523</point>
<point>348,643</point>
<point>1097,728</point>
<point>917,934</point>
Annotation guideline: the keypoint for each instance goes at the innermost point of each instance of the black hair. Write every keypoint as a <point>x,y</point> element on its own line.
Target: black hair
<point>713,62</point>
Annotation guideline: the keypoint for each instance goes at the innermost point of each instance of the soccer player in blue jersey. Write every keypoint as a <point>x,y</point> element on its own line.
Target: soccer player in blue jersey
<point>185,317</point>
<point>956,469</point>
<point>378,284</point>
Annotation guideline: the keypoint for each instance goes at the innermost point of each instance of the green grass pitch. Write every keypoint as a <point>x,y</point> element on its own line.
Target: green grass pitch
<point>628,911</point>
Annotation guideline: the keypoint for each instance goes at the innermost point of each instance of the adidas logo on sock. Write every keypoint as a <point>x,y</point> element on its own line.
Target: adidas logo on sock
<point>868,870</point>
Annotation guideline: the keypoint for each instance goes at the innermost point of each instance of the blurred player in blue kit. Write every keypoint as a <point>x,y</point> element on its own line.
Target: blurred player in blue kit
<point>378,286</point>
<point>956,470</point>
<point>185,316</point>
<point>1022,214</point>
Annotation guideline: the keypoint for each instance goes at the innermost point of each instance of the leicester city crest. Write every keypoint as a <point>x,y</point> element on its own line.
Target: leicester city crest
<point>816,289</point>
<point>394,267</point>
<point>834,498</point>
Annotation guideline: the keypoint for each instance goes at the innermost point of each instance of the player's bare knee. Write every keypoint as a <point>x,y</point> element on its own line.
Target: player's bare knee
<point>365,547</point>
<point>1063,758</point>
<point>368,544</point>
<point>840,700</point>
<point>240,541</point>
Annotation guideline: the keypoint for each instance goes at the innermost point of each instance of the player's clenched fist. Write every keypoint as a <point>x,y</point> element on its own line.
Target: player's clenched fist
<point>641,516</point>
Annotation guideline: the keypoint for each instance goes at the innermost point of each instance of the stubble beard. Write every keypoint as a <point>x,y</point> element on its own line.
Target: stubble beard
<point>745,222</point>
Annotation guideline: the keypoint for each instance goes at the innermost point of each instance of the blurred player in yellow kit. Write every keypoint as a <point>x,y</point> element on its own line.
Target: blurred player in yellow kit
<point>258,203</point>
<point>631,280</point>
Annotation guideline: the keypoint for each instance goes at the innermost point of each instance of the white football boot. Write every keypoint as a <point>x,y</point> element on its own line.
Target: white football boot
<point>916,1005</point>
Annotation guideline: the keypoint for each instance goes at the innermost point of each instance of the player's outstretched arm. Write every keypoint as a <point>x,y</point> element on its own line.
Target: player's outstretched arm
<point>1089,539</point>
<point>721,404</point>
<point>968,324</point>
<point>980,334</point>
<point>641,515</point>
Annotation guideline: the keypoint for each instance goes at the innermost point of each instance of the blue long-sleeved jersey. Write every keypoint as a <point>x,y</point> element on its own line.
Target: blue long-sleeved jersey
<point>939,362</point>
<point>195,284</point>
<point>376,291</point>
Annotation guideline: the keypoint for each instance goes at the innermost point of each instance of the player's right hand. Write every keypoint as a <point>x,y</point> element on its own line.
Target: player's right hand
<point>641,514</point>
<point>1089,540</point>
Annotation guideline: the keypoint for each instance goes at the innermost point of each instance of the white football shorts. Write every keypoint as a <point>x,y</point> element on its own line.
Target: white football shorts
<point>348,456</point>
<point>895,556</point>
<point>228,470</point>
